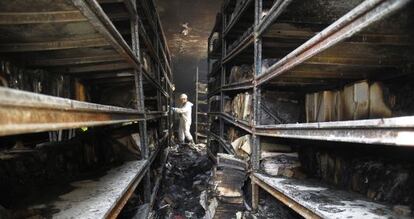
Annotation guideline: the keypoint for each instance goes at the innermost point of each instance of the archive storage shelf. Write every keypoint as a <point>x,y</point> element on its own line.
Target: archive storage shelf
<point>312,46</point>
<point>99,43</point>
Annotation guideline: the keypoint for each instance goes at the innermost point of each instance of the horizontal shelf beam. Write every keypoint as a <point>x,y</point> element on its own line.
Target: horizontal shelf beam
<point>76,60</point>
<point>17,18</point>
<point>99,67</point>
<point>26,112</point>
<point>238,86</point>
<point>53,45</point>
<point>393,131</point>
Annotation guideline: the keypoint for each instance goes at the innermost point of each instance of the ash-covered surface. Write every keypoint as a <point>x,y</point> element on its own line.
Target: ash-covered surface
<point>188,172</point>
<point>269,207</point>
<point>326,201</point>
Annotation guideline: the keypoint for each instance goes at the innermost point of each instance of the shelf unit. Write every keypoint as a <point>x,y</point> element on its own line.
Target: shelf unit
<point>312,51</point>
<point>101,44</point>
<point>201,115</point>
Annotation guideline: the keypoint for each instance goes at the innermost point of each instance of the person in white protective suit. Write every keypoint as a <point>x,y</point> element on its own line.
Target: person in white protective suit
<point>185,119</point>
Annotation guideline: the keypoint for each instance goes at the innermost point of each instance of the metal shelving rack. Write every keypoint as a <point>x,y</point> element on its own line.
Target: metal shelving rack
<point>305,53</point>
<point>200,117</point>
<point>109,53</point>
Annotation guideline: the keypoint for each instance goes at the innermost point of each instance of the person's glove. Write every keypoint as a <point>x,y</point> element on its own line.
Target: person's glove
<point>172,108</point>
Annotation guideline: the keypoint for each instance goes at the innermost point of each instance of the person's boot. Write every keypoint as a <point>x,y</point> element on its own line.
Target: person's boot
<point>192,143</point>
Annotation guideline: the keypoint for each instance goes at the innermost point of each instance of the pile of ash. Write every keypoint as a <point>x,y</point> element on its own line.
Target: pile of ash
<point>188,172</point>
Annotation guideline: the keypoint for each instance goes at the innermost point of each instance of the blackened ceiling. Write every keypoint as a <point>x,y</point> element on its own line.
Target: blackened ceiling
<point>187,25</point>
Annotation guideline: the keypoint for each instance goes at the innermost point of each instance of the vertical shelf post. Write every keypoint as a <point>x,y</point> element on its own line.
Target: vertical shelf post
<point>138,76</point>
<point>255,161</point>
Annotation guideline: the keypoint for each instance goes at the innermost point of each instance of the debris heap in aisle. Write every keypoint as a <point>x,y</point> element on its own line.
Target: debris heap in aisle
<point>227,197</point>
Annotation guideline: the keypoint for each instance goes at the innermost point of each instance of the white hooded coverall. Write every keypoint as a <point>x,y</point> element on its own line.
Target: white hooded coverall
<point>185,121</point>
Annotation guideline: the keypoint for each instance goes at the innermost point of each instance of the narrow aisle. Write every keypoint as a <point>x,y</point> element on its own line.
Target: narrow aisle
<point>188,171</point>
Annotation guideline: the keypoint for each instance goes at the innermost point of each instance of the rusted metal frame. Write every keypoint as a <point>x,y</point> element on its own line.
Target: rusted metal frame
<point>27,112</point>
<point>53,45</point>
<point>237,17</point>
<point>239,48</point>
<point>303,211</point>
<point>18,18</point>
<point>278,7</point>
<point>116,210</point>
<point>354,21</point>
<point>76,60</point>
